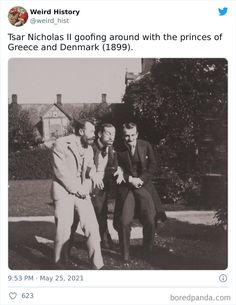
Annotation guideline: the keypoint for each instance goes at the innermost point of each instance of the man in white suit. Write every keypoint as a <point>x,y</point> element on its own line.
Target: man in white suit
<point>74,169</point>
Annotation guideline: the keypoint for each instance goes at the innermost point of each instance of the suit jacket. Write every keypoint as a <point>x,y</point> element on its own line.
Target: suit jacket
<point>111,166</point>
<point>145,171</point>
<point>70,165</point>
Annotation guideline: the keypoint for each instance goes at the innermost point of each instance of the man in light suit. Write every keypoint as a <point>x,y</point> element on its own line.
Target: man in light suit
<point>74,169</point>
<point>137,195</point>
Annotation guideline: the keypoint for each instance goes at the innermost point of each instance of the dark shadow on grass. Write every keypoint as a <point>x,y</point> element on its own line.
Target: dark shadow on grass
<point>25,251</point>
<point>178,246</point>
<point>190,247</point>
<point>31,247</point>
<point>165,260</point>
<point>188,231</point>
<point>50,203</point>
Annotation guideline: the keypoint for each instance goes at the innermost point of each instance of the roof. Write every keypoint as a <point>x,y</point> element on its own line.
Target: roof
<point>60,107</point>
<point>71,110</point>
<point>129,77</point>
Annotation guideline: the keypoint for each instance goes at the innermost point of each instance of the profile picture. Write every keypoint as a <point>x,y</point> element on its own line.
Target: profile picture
<point>18,16</point>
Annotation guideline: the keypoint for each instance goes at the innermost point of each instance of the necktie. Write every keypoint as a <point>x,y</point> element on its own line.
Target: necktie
<point>132,149</point>
<point>104,152</point>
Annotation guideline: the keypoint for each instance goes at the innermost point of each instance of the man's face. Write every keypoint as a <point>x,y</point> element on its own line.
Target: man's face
<point>107,137</point>
<point>13,17</point>
<point>87,134</point>
<point>130,136</point>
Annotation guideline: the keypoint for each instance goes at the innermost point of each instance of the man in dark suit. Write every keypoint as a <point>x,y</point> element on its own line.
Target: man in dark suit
<point>105,159</point>
<point>137,195</point>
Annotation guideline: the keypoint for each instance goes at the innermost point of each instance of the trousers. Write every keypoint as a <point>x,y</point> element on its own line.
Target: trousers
<point>139,201</point>
<point>100,204</point>
<point>64,216</point>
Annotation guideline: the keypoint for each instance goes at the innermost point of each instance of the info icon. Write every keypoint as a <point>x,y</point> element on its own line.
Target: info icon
<point>18,16</point>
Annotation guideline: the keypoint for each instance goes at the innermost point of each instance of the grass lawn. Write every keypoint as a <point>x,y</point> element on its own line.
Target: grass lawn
<point>178,245</point>
<point>30,198</point>
<point>33,198</point>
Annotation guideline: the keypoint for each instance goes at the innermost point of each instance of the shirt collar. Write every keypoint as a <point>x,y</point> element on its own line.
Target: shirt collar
<point>81,149</point>
<point>131,146</point>
<point>100,145</point>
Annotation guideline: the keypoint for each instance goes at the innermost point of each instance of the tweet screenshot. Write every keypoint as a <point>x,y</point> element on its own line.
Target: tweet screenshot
<point>117,134</point>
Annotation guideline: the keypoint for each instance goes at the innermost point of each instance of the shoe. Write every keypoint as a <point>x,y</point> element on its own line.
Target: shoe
<point>103,268</point>
<point>126,261</point>
<point>71,265</point>
<point>95,268</point>
<point>59,266</point>
<point>160,216</point>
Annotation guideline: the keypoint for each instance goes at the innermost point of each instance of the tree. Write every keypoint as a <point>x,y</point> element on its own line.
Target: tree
<point>173,101</point>
<point>100,112</point>
<point>181,107</point>
<point>21,131</point>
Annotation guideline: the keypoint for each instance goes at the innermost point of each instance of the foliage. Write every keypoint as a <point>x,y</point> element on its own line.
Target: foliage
<point>222,215</point>
<point>172,185</point>
<point>181,107</point>
<point>99,112</point>
<point>30,164</point>
<point>221,208</point>
<point>173,101</point>
<point>175,189</point>
<point>21,132</point>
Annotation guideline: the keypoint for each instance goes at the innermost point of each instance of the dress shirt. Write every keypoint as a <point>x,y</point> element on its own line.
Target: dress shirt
<point>102,159</point>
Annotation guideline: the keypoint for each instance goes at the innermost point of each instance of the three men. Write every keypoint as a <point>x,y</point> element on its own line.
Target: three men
<point>74,169</point>
<point>137,196</point>
<point>77,166</point>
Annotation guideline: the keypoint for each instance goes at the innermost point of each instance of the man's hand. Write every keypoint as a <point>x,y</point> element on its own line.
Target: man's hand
<point>98,180</point>
<point>83,191</point>
<point>119,174</point>
<point>136,182</point>
<point>80,196</point>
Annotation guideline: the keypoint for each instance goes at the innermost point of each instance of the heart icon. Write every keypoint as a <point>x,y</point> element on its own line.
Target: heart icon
<point>12,295</point>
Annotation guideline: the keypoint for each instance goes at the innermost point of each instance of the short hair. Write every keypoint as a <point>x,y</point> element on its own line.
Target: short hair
<point>105,125</point>
<point>130,125</point>
<point>81,124</point>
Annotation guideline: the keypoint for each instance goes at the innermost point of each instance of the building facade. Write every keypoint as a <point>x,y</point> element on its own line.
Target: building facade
<point>51,121</point>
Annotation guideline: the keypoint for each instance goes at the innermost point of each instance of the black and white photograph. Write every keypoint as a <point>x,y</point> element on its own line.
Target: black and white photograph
<point>118,163</point>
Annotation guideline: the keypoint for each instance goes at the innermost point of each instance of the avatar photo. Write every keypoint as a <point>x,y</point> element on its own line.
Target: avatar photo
<point>18,16</point>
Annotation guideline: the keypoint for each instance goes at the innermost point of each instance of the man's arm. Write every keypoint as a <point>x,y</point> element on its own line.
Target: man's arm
<point>151,166</point>
<point>91,171</point>
<point>126,177</point>
<point>121,164</point>
<point>60,169</point>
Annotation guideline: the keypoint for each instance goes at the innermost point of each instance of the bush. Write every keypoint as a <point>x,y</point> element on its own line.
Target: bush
<point>30,164</point>
<point>178,190</point>
<point>222,215</point>
<point>182,102</point>
<point>20,129</point>
<point>174,185</point>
